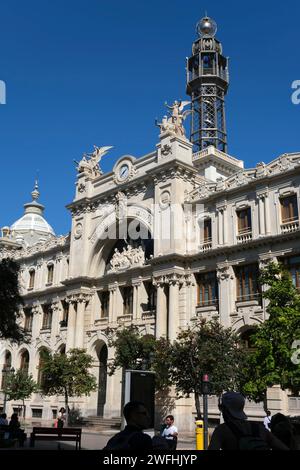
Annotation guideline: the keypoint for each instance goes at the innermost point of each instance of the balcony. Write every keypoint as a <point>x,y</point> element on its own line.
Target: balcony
<point>206,245</point>
<point>290,225</point>
<point>249,299</point>
<point>245,235</point>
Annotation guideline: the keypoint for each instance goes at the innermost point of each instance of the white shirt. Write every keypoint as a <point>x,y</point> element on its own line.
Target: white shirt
<point>267,421</point>
<point>167,431</point>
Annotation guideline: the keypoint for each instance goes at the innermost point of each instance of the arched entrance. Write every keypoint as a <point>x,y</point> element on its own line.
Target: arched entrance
<point>102,356</point>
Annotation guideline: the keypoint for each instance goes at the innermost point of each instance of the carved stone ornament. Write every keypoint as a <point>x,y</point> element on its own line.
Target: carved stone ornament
<point>78,230</point>
<point>128,258</point>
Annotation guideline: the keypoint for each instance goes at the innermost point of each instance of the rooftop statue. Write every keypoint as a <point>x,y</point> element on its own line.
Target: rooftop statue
<point>175,122</point>
<point>89,163</point>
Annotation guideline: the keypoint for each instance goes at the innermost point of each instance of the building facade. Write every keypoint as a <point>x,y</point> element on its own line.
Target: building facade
<point>159,242</point>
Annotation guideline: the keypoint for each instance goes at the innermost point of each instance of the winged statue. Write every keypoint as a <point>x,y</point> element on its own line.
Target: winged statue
<point>89,163</point>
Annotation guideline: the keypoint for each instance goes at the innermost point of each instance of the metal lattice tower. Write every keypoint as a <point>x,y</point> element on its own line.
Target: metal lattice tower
<point>207,84</point>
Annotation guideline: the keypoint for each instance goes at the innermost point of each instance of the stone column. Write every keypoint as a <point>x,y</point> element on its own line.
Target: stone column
<point>136,299</point>
<point>173,320</point>
<point>71,325</point>
<point>267,214</point>
<point>79,330</point>
<point>112,315</point>
<point>225,222</point>
<point>220,226</point>
<point>161,310</point>
<point>261,208</point>
<point>226,279</point>
<point>56,309</point>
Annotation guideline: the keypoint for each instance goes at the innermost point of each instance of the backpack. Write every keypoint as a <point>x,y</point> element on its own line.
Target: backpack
<point>249,440</point>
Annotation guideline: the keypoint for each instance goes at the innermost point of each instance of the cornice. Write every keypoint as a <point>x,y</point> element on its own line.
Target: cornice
<point>243,179</point>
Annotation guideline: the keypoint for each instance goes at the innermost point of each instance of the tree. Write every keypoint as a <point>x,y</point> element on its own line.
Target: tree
<point>271,363</point>
<point>19,386</point>
<point>137,352</point>
<point>207,348</point>
<point>68,375</point>
<point>10,302</point>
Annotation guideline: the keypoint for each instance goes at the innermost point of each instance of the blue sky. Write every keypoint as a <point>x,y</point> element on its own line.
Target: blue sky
<point>84,72</point>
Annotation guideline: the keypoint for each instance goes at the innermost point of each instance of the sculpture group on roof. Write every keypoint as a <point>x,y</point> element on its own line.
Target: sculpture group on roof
<point>174,123</point>
<point>89,163</point>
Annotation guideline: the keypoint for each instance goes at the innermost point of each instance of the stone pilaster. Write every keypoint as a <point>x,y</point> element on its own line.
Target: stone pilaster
<point>161,309</point>
<point>227,293</point>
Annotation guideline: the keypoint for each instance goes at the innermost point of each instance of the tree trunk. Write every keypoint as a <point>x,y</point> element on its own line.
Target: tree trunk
<point>198,406</point>
<point>265,401</point>
<point>67,407</point>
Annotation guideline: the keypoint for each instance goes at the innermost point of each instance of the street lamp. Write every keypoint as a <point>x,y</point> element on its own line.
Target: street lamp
<point>205,392</point>
<point>5,371</point>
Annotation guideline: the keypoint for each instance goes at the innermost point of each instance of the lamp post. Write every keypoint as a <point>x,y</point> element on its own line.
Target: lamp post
<point>6,370</point>
<point>205,392</point>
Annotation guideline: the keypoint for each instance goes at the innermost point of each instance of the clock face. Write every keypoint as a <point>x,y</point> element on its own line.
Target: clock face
<point>124,172</point>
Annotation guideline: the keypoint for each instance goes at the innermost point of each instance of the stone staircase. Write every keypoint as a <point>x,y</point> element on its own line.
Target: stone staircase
<point>100,423</point>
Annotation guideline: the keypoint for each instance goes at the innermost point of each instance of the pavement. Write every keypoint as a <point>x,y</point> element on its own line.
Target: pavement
<point>96,439</point>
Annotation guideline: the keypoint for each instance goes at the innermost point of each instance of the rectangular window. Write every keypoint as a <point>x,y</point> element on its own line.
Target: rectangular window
<point>65,315</point>
<point>31,278</point>
<point>37,412</point>
<point>289,209</point>
<point>293,266</point>
<point>244,221</point>
<point>127,300</point>
<point>47,317</point>
<point>104,301</point>
<point>50,269</point>
<point>151,294</point>
<point>207,231</point>
<point>207,289</point>
<point>28,319</point>
<point>247,283</point>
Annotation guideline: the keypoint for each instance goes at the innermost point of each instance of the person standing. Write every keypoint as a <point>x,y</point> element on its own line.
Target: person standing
<point>170,432</point>
<point>61,418</point>
<point>267,420</point>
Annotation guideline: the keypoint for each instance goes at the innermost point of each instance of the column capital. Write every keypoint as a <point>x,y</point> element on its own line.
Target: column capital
<point>224,272</point>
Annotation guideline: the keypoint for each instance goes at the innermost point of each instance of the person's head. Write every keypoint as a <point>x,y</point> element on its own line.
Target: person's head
<point>14,417</point>
<point>136,414</point>
<point>3,415</point>
<point>268,412</point>
<point>62,410</point>
<point>283,429</point>
<point>232,406</point>
<point>169,420</point>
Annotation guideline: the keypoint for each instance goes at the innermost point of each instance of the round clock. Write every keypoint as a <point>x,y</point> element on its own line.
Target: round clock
<point>123,171</point>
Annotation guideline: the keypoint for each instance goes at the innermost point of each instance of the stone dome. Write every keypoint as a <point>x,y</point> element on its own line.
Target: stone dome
<point>32,227</point>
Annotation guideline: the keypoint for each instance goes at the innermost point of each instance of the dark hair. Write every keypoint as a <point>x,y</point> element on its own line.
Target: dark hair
<point>3,415</point>
<point>14,416</point>
<point>130,407</point>
<point>268,412</point>
<point>171,417</point>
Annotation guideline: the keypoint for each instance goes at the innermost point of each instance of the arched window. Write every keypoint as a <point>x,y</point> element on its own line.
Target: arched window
<point>6,366</point>
<point>50,273</point>
<point>24,364</point>
<point>31,278</point>
<point>247,340</point>
<point>42,354</point>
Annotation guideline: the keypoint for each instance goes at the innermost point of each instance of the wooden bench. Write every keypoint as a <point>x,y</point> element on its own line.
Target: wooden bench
<point>56,434</point>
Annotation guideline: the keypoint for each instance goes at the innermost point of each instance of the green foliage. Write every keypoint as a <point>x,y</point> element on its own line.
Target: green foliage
<point>68,374</point>
<point>208,348</point>
<point>19,385</point>
<point>270,363</point>
<point>137,352</point>
<point>10,302</point>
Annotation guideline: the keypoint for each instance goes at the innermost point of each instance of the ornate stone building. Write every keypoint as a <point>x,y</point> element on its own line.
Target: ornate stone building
<point>159,242</point>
